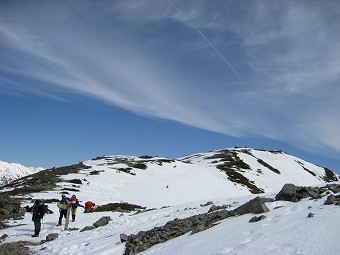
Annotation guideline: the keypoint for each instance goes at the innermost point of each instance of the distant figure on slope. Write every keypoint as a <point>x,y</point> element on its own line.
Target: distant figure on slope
<point>89,205</point>
<point>38,212</point>
<point>62,205</point>
<point>74,205</point>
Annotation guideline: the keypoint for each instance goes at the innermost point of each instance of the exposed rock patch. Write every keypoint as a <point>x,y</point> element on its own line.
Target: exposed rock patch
<point>293,193</point>
<point>177,227</point>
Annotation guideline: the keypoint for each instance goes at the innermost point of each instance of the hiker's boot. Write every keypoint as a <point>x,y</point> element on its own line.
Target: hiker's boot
<point>73,218</point>
<point>35,234</point>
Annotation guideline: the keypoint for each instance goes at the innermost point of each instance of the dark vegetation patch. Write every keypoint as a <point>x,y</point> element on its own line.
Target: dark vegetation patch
<point>16,248</point>
<point>230,163</point>
<point>247,151</point>
<point>71,189</point>
<point>146,157</point>
<point>75,181</point>
<point>230,159</point>
<point>161,161</point>
<point>330,176</point>
<point>95,172</point>
<point>101,157</point>
<point>304,168</point>
<point>237,177</point>
<point>268,166</point>
<point>129,162</point>
<point>50,201</point>
<point>309,171</point>
<point>138,165</point>
<point>273,151</point>
<point>276,151</point>
<point>126,170</point>
<point>118,207</point>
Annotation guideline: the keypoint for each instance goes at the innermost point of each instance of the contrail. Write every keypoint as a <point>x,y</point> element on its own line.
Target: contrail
<point>211,45</point>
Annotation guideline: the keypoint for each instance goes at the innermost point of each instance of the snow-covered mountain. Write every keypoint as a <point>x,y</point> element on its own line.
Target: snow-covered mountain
<point>167,189</point>
<point>13,171</point>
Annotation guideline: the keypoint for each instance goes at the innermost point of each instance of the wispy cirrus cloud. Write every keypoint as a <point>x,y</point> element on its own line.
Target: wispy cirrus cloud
<point>130,54</point>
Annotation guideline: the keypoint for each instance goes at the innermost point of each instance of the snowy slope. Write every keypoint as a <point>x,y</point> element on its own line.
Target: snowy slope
<point>142,180</point>
<point>267,170</point>
<point>286,230</point>
<point>13,171</point>
<point>179,188</point>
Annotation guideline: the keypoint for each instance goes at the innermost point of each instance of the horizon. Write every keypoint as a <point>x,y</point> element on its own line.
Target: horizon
<point>168,78</point>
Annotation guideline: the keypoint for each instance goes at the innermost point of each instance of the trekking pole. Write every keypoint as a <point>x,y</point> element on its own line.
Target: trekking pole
<point>67,217</point>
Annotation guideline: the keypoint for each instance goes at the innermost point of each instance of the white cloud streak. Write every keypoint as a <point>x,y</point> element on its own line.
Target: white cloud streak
<point>288,52</point>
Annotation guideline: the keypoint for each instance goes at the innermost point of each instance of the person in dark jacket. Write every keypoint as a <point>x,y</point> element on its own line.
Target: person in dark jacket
<point>38,211</point>
<point>62,205</point>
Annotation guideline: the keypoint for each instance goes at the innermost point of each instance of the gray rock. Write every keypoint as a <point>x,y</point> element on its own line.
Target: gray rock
<point>256,219</point>
<point>124,238</point>
<point>51,237</point>
<point>3,237</point>
<point>4,212</point>
<point>330,200</point>
<point>310,215</point>
<point>208,203</point>
<point>288,193</point>
<point>87,228</point>
<point>102,221</point>
<point>253,206</point>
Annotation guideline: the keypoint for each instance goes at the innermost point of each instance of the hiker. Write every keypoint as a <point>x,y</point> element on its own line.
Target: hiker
<point>89,205</point>
<point>38,212</point>
<point>62,205</point>
<point>74,205</point>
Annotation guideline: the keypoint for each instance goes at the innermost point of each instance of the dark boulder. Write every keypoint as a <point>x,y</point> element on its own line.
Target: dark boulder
<point>288,193</point>
<point>87,228</point>
<point>255,205</point>
<point>51,237</point>
<point>102,221</point>
<point>256,219</point>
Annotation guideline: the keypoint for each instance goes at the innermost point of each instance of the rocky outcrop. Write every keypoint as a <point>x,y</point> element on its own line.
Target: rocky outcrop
<point>17,248</point>
<point>194,224</point>
<point>9,208</point>
<point>293,193</point>
<point>177,227</point>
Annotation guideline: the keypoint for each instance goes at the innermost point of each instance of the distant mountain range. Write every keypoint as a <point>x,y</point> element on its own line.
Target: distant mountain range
<point>13,171</point>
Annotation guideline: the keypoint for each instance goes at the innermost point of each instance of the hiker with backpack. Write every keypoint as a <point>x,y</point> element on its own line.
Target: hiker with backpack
<point>62,205</point>
<point>38,212</point>
<point>74,205</point>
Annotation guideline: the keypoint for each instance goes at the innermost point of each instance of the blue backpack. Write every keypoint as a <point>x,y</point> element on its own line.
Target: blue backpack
<point>41,210</point>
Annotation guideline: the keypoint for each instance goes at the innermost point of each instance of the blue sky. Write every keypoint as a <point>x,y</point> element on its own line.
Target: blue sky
<point>80,79</point>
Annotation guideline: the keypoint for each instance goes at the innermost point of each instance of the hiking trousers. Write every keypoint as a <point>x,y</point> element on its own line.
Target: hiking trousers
<point>37,225</point>
<point>63,213</point>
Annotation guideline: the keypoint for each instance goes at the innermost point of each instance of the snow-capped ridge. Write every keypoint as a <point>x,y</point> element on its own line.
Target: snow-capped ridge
<point>12,171</point>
